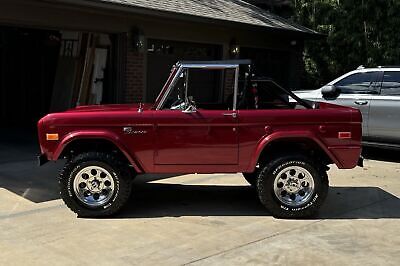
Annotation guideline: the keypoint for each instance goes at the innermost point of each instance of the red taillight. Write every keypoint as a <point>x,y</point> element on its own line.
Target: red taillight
<point>344,135</point>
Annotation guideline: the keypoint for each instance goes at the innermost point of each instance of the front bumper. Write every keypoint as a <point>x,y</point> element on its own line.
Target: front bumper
<point>42,159</point>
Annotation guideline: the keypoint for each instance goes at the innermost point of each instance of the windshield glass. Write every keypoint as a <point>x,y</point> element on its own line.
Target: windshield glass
<point>202,88</point>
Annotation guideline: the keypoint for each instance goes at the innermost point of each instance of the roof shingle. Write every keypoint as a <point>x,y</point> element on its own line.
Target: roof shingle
<point>225,10</point>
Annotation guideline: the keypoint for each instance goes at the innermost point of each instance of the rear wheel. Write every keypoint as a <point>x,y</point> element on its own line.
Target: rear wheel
<point>292,186</point>
<point>95,184</point>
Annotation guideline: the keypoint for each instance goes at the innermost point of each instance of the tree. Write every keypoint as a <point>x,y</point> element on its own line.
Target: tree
<point>358,32</point>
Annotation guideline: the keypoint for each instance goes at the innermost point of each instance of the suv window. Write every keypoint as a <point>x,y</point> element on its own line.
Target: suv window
<point>391,83</point>
<point>358,83</point>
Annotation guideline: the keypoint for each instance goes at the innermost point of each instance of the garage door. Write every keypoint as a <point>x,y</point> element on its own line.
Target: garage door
<point>162,55</point>
<point>28,60</point>
<point>274,64</point>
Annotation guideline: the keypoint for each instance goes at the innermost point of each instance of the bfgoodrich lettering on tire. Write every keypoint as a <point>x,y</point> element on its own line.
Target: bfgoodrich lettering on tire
<point>95,184</point>
<point>292,186</point>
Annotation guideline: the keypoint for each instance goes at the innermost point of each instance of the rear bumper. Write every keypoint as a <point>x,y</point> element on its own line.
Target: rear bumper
<point>42,159</point>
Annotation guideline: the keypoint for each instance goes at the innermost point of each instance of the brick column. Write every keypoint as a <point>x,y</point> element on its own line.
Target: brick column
<point>135,71</point>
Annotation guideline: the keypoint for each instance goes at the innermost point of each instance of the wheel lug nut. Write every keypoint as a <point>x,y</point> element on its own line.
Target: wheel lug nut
<point>305,184</point>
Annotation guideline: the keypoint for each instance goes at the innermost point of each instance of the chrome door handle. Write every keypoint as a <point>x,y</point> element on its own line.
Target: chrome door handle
<point>234,115</point>
<point>361,102</point>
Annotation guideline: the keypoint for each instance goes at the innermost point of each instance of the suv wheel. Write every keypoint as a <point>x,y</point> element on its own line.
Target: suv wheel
<point>292,186</point>
<point>95,184</point>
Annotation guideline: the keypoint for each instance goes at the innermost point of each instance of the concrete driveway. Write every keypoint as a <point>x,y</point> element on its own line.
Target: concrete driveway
<point>198,219</point>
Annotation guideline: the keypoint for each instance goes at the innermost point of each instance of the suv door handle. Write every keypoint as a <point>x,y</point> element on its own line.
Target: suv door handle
<point>234,115</point>
<point>361,102</point>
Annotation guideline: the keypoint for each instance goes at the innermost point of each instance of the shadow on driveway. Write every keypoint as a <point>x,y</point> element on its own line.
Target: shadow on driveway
<point>40,184</point>
<point>19,172</point>
<point>151,200</point>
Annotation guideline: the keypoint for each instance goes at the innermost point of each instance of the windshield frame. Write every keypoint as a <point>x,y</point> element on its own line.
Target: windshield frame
<point>166,86</point>
<point>161,99</point>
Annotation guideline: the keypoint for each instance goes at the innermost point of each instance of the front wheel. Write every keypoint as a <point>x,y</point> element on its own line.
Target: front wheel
<point>95,184</point>
<point>292,186</point>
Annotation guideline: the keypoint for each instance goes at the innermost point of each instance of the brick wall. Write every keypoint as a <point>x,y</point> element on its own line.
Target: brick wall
<point>135,75</point>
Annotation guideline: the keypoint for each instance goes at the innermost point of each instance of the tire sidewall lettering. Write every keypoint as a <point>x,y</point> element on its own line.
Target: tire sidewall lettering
<point>280,167</point>
<point>308,205</point>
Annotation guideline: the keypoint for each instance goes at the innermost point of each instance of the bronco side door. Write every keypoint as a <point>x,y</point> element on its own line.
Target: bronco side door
<point>196,125</point>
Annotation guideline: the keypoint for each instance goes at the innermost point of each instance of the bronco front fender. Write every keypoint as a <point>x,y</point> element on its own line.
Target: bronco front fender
<point>100,135</point>
<point>264,142</point>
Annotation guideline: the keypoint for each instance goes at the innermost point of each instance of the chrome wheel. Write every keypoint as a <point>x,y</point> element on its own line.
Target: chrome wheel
<point>294,186</point>
<point>94,186</point>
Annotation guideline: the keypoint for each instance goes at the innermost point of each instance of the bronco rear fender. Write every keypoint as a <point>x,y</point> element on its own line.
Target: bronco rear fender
<point>96,134</point>
<point>264,142</point>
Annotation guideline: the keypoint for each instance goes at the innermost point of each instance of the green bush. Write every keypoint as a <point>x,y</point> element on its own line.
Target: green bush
<point>358,32</point>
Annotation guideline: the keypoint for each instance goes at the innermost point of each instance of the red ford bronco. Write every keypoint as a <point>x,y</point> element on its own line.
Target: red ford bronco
<point>210,117</point>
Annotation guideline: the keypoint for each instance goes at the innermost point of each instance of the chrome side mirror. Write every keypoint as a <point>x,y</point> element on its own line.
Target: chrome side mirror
<point>330,91</point>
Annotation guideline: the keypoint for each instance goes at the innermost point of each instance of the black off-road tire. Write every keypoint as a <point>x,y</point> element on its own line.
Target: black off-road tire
<point>251,178</point>
<point>265,187</point>
<point>120,173</point>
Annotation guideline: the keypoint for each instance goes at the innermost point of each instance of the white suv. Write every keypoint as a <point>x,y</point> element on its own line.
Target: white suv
<point>376,92</point>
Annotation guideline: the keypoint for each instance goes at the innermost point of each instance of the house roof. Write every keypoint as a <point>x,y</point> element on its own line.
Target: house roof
<point>235,11</point>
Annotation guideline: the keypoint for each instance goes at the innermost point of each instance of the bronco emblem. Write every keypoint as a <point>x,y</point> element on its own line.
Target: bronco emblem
<point>130,130</point>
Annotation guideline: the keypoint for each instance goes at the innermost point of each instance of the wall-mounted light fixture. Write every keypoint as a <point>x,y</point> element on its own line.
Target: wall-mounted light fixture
<point>137,39</point>
<point>234,49</point>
